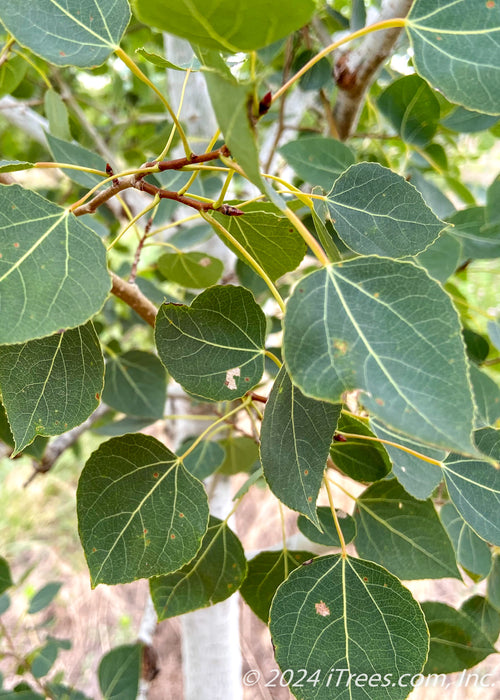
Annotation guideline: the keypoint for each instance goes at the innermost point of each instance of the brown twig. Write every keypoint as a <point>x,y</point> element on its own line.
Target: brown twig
<point>102,197</point>
<point>179,163</point>
<point>132,295</point>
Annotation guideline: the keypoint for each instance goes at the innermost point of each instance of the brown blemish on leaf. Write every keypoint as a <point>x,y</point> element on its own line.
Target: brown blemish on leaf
<point>204,262</point>
<point>155,475</point>
<point>230,375</point>
<point>181,515</point>
<point>16,245</point>
<point>380,402</point>
<point>341,346</point>
<point>172,537</point>
<point>322,609</point>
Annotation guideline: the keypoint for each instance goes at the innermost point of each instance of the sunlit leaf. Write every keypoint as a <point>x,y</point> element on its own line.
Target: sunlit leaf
<point>53,271</point>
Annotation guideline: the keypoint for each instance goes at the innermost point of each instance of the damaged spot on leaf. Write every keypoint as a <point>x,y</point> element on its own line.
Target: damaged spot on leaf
<point>230,375</point>
<point>322,609</point>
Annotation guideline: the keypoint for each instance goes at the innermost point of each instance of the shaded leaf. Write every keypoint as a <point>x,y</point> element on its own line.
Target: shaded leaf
<point>156,60</point>
<point>413,379</point>
<point>478,239</point>
<point>295,439</point>
<point>5,577</point>
<point>213,348</point>
<point>456,642</point>
<point>227,25</point>
<point>10,166</point>
<point>37,447</point>
<point>52,384</point>
<point>417,476</point>
<point>318,160</point>
<point>119,672</point>
<point>484,616</point>
<point>140,512</point>
<point>474,488</point>
<point>376,211</point>
<point>43,658</point>
<point>460,58</point>
<point>441,258</point>
<point>205,459</point>
<point>53,271</point>
<point>269,238</point>
<point>63,692</point>
<point>12,72</point>
<point>487,397</point>
<point>194,269</point>
<point>362,460</point>
<point>403,534</point>
<point>466,122</point>
<point>136,384</point>
<point>472,552</point>
<point>350,614</point>
<point>266,572</point>
<point>67,152</point>
<point>241,453</point>
<point>73,34</point>
<point>493,583</point>
<point>213,575</point>
<point>412,108</point>
<point>57,114</point>
<point>328,536</point>
<point>477,346</point>
<point>488,442</point>
<point>44,597</point>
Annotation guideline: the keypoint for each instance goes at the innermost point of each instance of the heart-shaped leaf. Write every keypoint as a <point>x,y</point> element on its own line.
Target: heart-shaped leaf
<point>215,347</point>
<point>73,33</point>
<point>456,49</point>
<point>415,379</point>
<point>194,269</point>
<point>412,108</point>
<point>52,384</point>
<point>140,512</point>
<point>484,616</point>
<point>472,552</point>
<point>375,211</point>
<point>227,25</point>
<point>136,384</point>
<point>349,618</point>
<point>53,271</point>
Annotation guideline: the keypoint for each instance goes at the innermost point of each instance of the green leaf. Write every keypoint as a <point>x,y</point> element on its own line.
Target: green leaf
<point>487,397</point>
<point>205,459</point>
<point>478,239</point>
<point>66,152</point>
<point>269,238</point>
<point>488,442</point>
<point>11,166</point>
<point>477,346</point>
<point>57,114</point>
<point>494,333</point>
<point>52,384</point>
<point>194,269</point>
<point>472,552</point>
<point>342,616</point>
<point>140,512</point>
<point>362,460</point>
<point>442,257</point>
<point>328,535</point>
<point>474,488</point>
<point>63,692</point>
<point>215,347</point>
<point>44,597</point>
<point>230,101</point>
<point>462,59</point>
<point>412,108</point>
<point>213,575</point>
<point>266,572</point>
<point>119,672</point>
<point>12,73</point>
<point>75,33</point>
<point>53,271</point>
<point>241,453</point>
<point>466,122</point>
<point>43,658</point>
<point>375,211</point>
<point>226,25</point>
<point>136,384</point>
<point>417,476</point>
<point>4,603</point>
<point>156,60</point>
<point>37,447</point>
<point>295,439</point>
<point>403,534</point>
<point>456,642</point>
<point>415,379</point>
<point>493,584</point>
<point>318,160</point>
<point>484,616</point>
<point>5,577</point>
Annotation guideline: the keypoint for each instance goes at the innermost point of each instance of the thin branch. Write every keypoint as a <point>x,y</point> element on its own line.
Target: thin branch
<point>179,163</point>
<point>355,70</point>
<point>132,295</point>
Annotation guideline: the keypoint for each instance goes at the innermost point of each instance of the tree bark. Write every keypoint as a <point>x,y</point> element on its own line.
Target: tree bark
<point>355,70</point>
